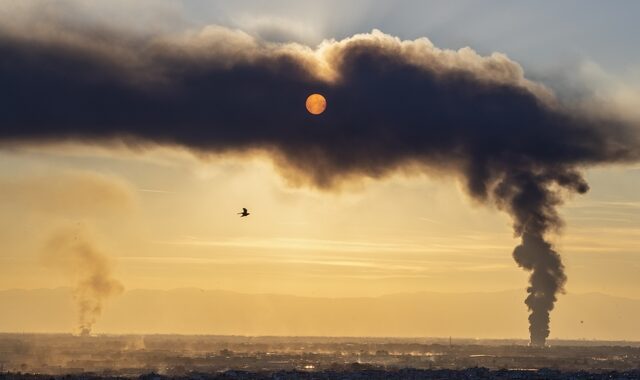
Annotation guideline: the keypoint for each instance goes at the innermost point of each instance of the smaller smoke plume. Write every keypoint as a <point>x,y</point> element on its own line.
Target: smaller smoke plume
<point>89,269</point>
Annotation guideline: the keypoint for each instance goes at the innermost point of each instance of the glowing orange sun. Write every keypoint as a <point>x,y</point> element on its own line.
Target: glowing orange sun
<point>316,104</point>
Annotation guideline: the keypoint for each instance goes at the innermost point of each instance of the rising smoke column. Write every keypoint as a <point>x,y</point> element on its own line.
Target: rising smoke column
<point>89,271</point>
<point>394,105</point>
<point>532,204</point>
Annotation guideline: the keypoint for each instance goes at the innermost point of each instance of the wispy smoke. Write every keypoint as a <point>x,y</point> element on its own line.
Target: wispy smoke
<point>89,270</point>
<point>68,194</point>
<point>392,105</point>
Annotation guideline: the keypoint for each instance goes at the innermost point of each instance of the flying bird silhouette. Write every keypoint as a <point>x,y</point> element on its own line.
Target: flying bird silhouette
<point>243,213</point>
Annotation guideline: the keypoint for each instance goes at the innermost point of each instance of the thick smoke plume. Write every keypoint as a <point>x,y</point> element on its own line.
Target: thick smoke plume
<point>392,105</point>
<point>88,269</point>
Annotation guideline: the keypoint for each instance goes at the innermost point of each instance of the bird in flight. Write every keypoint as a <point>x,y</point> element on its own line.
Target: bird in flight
<point>243,213</point>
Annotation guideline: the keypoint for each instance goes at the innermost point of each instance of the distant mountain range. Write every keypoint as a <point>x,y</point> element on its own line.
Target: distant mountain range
<point>425,314</point>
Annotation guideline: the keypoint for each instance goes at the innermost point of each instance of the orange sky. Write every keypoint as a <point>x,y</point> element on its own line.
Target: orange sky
<point>168,220</point>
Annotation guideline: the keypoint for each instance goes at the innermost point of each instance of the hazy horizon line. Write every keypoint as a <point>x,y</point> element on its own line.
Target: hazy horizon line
<point>362,337</point>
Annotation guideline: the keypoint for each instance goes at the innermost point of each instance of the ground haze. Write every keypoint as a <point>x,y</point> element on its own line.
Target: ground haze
<point>134,355</point>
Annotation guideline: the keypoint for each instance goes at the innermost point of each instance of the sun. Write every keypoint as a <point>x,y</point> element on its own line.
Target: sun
<point>316,104</point>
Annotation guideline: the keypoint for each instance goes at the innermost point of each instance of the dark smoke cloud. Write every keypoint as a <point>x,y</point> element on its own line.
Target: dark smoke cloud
<point>391,105</point>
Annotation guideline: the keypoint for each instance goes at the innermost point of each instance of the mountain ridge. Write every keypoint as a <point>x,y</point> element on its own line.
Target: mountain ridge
<point>220,312</point>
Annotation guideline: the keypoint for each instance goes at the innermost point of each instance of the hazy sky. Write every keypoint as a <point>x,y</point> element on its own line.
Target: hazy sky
<point>167,219</point>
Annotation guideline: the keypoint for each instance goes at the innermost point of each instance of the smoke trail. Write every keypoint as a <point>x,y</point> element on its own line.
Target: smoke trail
<point>392,105</point>
<point>88,269</point>
<point>533,206</point>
